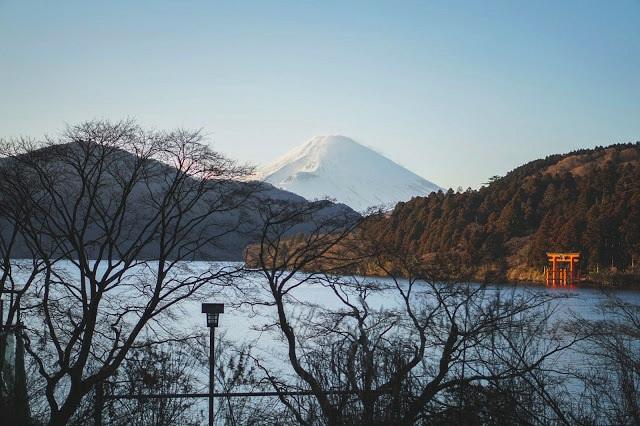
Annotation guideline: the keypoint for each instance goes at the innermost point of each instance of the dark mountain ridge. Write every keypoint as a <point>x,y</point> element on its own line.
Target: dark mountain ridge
<point>233,225</point>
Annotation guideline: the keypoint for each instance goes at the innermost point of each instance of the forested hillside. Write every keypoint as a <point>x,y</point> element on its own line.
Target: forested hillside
<point>587,201</point>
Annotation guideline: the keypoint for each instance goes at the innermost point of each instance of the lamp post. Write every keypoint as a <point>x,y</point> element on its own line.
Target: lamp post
<point>213,311</point>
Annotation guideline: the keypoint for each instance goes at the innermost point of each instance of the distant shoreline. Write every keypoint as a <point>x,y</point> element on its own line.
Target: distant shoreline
<point>585,283</point>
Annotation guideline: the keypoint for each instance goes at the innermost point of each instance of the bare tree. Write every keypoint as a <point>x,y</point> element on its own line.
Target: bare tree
<point>110,213</point>
<point>401,361</point>
<point>19,269</point>
<point>611,377</point>
<point>156,369</point>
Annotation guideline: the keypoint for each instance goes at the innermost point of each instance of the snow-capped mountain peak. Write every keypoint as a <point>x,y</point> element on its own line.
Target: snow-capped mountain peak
<point>339,168</point>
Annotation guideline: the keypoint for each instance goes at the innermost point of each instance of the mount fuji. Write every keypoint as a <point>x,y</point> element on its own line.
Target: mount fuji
<point>339,168</point>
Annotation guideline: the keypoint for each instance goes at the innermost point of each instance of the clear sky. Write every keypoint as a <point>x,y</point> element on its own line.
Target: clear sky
<point>455,91</point>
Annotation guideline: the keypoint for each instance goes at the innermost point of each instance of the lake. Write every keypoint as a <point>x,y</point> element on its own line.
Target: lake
<point>242,324</point>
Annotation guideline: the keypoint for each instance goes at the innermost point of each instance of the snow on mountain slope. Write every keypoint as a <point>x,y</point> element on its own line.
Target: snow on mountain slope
<point>339,168</point>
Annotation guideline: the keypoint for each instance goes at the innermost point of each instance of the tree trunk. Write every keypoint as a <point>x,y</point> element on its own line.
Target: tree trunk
<point>64,414</point>
<point>21,400</point>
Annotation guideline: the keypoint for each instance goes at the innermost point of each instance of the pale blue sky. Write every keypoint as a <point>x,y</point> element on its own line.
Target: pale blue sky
<point>455,91</point>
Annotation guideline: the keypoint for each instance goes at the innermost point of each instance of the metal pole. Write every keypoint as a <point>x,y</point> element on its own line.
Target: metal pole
<point>211,371</point>
<point>98,404</point>
<point>235,394</point>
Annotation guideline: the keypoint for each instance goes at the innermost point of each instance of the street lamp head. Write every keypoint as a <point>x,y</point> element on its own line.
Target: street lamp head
<point>213,311</point>
<point>212,320</point>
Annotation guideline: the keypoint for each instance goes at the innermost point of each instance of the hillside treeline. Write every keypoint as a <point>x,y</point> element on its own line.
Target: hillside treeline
<point>586,201</point>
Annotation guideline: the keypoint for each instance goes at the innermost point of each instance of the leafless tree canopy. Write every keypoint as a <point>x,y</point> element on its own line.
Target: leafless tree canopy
<point>419,358</point>
<point>90,209</point>
<point>612,378</point>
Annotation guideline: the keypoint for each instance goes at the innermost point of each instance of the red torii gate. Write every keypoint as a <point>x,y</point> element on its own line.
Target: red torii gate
<point>564,270</point>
